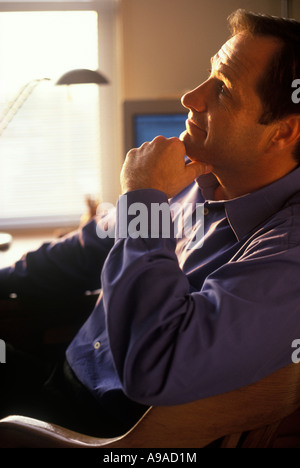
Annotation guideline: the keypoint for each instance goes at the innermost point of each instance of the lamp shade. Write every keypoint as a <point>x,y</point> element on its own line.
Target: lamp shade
<point>81,76</point>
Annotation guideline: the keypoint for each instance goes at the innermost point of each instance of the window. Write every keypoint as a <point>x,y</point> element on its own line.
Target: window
<point>51,137</point>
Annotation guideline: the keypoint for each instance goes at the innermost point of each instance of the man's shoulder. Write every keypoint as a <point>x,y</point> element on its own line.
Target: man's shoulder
<point>287,219</point>
<point>279,233</point>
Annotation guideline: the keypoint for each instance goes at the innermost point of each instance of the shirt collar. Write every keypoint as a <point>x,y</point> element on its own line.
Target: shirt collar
<point>248,211</point>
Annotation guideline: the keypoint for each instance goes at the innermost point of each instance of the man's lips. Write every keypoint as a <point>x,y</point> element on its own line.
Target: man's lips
<point>190,124</point>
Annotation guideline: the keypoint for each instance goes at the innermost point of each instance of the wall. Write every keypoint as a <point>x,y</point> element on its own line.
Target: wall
<point>167,44</point>
<point>295,9</point>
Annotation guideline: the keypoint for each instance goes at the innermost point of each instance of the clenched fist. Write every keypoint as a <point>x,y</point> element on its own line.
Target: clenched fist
<point>159,164</point>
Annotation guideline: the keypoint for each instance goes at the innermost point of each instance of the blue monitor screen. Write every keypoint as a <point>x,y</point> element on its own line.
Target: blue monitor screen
<point>149,126</point>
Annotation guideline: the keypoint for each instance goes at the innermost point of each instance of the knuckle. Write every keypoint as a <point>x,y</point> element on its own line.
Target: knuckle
<point>131,153</point>
<point>159,140</point>
<point>175,141</point>
<point>176,144</point>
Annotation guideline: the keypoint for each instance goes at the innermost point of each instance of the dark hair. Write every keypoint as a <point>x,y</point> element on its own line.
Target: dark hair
<point>275,87</point>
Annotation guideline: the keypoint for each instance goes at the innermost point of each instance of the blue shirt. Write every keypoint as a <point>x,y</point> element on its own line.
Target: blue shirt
<point>172,323</point>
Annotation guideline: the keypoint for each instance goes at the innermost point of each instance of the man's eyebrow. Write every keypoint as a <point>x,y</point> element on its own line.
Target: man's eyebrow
<point>222,72</point>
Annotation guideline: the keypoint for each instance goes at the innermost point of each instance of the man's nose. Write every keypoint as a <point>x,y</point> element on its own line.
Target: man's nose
<point>195,99</point>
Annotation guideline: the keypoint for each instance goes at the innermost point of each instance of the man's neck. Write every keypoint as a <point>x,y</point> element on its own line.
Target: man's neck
<point>237,185</point>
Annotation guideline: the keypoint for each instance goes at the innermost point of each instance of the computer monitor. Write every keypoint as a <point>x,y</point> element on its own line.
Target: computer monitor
<point>146,119</point>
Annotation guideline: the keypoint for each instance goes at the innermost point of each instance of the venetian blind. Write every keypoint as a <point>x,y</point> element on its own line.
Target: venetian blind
<point>50,149</point>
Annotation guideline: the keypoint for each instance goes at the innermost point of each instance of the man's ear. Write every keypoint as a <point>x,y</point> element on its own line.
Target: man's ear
<point>287,133</point>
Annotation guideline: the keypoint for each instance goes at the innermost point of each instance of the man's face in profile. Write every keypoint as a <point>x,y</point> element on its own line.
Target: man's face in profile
<point>223,128</point>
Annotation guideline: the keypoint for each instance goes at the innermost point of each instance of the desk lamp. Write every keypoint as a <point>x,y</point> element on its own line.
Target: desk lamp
<point>81,76</point>
<point>76,76</point>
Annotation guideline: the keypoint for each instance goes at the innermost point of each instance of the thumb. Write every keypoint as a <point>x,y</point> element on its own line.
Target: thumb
<point>196,169</point>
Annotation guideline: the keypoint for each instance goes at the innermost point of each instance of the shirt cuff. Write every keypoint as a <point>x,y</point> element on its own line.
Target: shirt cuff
<point>144,214</point>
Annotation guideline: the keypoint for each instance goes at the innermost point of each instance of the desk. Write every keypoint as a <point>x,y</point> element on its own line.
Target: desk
<point>24,242</point>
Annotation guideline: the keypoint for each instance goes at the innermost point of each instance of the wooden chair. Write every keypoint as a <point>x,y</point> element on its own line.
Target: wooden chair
<point>251,416</point>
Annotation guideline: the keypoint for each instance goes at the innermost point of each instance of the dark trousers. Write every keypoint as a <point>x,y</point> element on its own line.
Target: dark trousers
<point>39,388</point>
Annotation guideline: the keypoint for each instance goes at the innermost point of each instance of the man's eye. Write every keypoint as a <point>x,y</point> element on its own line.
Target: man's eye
<point>222,88</point>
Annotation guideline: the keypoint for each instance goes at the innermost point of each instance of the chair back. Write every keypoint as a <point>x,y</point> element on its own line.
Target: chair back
<point>257,407</point>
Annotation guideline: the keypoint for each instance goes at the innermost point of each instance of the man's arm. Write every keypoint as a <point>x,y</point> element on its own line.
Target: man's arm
<point>70,264</point>
<point>172,344</point>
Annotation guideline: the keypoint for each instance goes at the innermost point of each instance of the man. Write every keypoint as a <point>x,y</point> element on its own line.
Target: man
<point>176,320</point>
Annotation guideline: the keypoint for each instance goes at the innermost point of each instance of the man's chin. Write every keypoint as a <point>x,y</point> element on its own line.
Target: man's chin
<point>190,150</point>
<point>193,153</point>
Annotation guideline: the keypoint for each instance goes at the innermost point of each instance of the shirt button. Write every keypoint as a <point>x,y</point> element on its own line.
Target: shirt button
<point>97,345</point>
<point>205,211</point>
